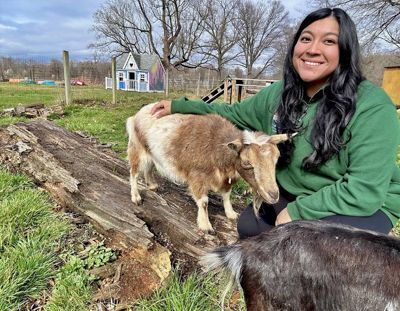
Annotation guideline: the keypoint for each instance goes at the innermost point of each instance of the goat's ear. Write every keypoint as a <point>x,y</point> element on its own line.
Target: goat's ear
<point>235,145</point>
<point>278,138</point>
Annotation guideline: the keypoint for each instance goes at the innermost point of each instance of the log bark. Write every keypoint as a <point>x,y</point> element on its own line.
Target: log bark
<point>83,177</point>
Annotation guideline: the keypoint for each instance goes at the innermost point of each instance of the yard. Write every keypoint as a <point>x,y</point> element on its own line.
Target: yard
<point>62,248</point>
<point>46,254</point>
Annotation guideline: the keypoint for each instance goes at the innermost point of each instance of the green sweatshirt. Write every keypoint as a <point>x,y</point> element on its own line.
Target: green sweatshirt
<point>362,178</point>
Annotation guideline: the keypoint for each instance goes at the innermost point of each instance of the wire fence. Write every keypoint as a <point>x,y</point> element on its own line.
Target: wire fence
<point>50,72</point>
<point>86,77</point>
<point>40,69</point>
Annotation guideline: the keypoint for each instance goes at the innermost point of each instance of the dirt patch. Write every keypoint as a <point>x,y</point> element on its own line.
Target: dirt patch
<point>133,277</point>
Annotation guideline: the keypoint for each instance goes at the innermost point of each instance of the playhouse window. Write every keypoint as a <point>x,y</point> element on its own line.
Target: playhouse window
<point>121,76</point>
<point>132,76</point>
<point>142,77</point>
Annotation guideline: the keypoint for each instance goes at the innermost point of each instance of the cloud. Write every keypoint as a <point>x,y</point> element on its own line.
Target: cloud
<point>46,27</point>
<point>6,27</point>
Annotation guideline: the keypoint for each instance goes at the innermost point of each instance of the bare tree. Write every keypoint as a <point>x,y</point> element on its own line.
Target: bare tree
<point>260,24</point>
<point>119,29</point>
<point>375,19</point>
<point>220,36</point>
<point>188,44</point>
<point>283,44</point>
<point>6,68</point>
<point>168,28</point>
<point>56,69</point>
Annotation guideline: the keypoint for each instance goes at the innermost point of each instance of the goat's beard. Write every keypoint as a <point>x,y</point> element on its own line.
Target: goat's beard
<point>257,201</point>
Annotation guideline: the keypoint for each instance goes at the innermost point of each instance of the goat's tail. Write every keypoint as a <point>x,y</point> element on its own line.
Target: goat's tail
<point>225,260</point>
<point>130,125</point>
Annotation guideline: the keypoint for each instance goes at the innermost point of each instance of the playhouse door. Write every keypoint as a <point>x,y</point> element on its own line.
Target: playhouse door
<point>143,82</point>
<point>132,84</point>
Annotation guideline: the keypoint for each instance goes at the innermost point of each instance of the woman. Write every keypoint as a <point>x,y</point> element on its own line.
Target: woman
<point>341,165</point>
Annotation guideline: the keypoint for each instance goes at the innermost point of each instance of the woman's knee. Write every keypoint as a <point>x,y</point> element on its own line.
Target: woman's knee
<point>250,225</point>
<point>377,222</point>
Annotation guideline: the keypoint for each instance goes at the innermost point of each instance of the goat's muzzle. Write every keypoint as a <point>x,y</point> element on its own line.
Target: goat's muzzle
<point>270,197</point>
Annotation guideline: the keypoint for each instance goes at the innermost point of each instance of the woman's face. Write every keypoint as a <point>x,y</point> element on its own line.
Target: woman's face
<point>316,53</point>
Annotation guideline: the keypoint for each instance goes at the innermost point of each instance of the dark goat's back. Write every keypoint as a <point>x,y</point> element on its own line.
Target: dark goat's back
<point>313,265</point>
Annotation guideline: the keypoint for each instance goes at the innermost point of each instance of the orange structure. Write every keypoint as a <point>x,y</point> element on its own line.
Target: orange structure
<point>391,83</point>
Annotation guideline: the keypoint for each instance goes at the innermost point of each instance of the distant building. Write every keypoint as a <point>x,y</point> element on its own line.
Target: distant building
<point>139,72</point>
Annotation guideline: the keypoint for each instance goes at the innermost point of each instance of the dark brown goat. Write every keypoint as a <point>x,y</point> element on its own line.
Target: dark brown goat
<point>314,265</point>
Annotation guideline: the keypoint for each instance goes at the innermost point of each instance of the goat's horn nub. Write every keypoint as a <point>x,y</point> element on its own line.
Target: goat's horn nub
<point>277,138</point>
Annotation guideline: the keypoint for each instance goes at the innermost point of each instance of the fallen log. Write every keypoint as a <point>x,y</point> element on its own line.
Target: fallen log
<point>93,181</point>
<point>33,111</point>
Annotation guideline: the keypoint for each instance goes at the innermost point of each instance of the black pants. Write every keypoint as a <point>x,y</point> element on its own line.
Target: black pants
<point>249,225</point>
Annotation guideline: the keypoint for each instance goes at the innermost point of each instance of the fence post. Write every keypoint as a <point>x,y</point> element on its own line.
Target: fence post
<point>226,90</point>
<point>114,79</point>
<point>198,86</point>
<point>233,91</point>
<point>166,91</point>
<point>208,80</point>
<point>67,78</point>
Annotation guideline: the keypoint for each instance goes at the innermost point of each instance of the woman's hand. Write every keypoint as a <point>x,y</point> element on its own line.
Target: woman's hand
<point>283,217</point>
<point>161,109</point>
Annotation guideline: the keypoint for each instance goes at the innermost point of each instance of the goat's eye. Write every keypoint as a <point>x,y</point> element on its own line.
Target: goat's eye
<point>246,165</point>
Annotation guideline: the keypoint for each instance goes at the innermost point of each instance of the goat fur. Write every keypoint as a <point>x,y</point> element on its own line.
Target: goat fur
<point>314,265</point>
<point>206,153</point>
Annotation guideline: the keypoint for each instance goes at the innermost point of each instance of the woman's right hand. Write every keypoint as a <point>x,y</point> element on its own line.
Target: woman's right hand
<point>161,109</point>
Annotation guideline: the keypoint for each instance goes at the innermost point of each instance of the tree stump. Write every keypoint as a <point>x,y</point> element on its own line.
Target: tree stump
<point>85,178</point>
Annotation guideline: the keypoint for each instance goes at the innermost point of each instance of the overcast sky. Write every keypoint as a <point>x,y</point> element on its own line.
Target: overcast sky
<point>44,28</point>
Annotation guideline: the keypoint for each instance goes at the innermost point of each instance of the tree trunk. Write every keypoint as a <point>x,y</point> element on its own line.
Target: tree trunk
<point>84,177</point>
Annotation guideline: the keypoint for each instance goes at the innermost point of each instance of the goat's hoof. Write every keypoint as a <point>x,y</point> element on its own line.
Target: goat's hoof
<point>152,187</point>
<point>232,215</point>
<point>137,201</point>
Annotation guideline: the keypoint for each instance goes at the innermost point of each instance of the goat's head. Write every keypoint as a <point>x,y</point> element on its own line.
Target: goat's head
<point>257,157</point>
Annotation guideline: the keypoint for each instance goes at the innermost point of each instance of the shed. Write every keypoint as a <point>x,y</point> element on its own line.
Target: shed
<point>140,72</point>
<point>391,83</point>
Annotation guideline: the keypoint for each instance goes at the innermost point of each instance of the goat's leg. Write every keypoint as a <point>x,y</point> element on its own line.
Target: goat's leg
<point>149,171</point>
<point>134,163</point>
<point>229,212</point>
<point>201,199</point>
<point>203,222</point>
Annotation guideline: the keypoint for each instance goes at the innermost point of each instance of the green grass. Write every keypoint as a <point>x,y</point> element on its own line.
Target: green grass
<point>107,123</point>
<point>11,120</point>
<point>29,233</point>
<point>14,94</point>
<point>72,291</point>
<point>198,292</point>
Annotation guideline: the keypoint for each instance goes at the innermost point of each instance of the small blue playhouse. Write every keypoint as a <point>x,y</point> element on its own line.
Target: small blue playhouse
<point>139,72</point>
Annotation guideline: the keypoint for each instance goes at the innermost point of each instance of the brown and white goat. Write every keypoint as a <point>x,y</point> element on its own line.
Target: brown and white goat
<point>314,265</point>
<point>206,153</point>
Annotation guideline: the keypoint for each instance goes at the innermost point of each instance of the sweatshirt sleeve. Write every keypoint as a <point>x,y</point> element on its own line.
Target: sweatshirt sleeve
<point>249,114</point>
<point>371,156</point>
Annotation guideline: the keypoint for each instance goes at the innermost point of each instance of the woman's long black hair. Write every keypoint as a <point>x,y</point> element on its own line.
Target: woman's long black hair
<point>338,103</point>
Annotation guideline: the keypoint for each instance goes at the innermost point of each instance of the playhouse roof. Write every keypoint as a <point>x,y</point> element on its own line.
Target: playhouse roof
<point>143,61</point>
